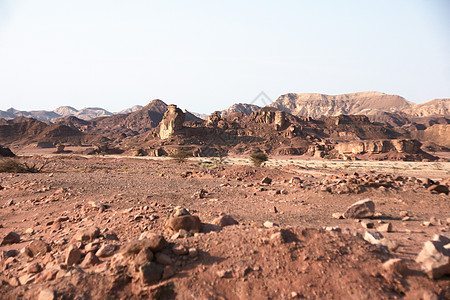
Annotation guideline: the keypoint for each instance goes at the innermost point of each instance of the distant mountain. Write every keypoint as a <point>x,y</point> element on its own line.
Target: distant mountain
<point>433,108</point>
<point>130,110</point>
<point>130,124</point>
<point>87,113</point>
<point>320,105</point>
<point>240,107</point>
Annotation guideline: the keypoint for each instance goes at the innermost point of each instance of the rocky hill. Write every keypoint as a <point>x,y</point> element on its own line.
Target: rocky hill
<point>320,105</point>
<point>128,124</point>
<point>433,108</point>
<point>26,131</point>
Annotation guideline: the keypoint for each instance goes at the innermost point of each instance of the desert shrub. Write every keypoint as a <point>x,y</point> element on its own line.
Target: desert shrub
<point>259,158</point>
<point>180,156</point>
<point>14,166</point>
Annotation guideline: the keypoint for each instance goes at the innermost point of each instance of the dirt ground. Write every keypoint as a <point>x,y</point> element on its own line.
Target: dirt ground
<point>281,248</point>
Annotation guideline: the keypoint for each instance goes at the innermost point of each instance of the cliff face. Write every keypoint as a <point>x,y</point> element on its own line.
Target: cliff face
<point>320,105</point>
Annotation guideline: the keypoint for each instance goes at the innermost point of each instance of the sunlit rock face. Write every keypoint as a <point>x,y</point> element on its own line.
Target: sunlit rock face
<point>172,121</point>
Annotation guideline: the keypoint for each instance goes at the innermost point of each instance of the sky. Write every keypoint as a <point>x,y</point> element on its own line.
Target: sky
<point>206,55</point>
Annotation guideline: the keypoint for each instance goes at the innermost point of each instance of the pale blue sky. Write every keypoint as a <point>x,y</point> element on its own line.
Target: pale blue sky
<point>207,55</point>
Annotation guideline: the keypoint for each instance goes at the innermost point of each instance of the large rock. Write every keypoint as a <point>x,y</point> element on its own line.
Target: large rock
<point>6,152</point>
<point>224,220</point>
<point>435,258</point>
<point>188,223</point>
<point>10,238</point>
<point>150,272</point>
<point>155,243</point>
<point>37,247</point>
<point>88,234</point>
<point>360,210</point>
<point>172,121</point>
<point>73,255</point>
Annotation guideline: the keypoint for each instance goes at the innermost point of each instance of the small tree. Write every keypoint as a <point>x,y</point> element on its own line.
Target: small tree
<point>180,155</point>
<point>258,158</point>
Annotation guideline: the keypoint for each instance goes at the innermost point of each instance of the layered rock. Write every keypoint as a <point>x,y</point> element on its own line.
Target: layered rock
<point>379,146</point>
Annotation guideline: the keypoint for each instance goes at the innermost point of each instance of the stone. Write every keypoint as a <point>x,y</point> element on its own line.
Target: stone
<point>439,189</point>
<point>403,213</point>
<point>338,216</point>
<point>97,205</point>
<point>34,267</point>
<point>163,259</point>
<point>266,180</point>
<point>386,227</point>
<point>360,210</point>
<point>46,294</point>
<point>144,256</point>
<point>373,237</point>
<point>92,247</point>
<point>295,180</point>
<point>367,224</point>
<point>155,243</point>
<point>37,247</point>
<point>10,238</point>
<point>106,250</point>
<point>435,259</point>
<point>73,255</point>
<point>396,265</point>
<point>224,220</point>
<point>26,279</point>
<point>88,234</point>
<point>29,231</point>
<point>179,249</point>
<point>179,211</point>
<point>188,223</point>
<point>150,272</point>
<point>90,260</point>
<point>269,224</point>
<point>201,194</point>
<point>192,252</point>
<point>169,271</point>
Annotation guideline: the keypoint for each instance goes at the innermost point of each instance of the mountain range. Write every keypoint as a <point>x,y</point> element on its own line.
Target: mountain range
<point>379,107</point>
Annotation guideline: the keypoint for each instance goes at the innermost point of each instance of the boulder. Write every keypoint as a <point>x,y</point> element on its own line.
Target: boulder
<point>189,223</point>
<point>10,238</point>
<point>46,294</point>
<point>89,260</point>
<point>435,259</point>
<point>360,210</point>
<point>88,234</point>
<point>73,255</point>
<point>266,180</point>
<point>439,189</point>
<point>224,220</point>
<point>150,272</point>
<point>154,243</point>
<point>106,250</point>
<point>396,266</point>
<point>6,152</point>
<point>37,247</point>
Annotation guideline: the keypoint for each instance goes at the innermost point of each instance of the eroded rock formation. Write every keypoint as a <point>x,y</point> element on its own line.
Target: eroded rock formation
<point>172,121</point>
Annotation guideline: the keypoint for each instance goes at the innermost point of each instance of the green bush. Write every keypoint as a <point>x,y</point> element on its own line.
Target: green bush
<point>259,158</point>
<point>180,155</point>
